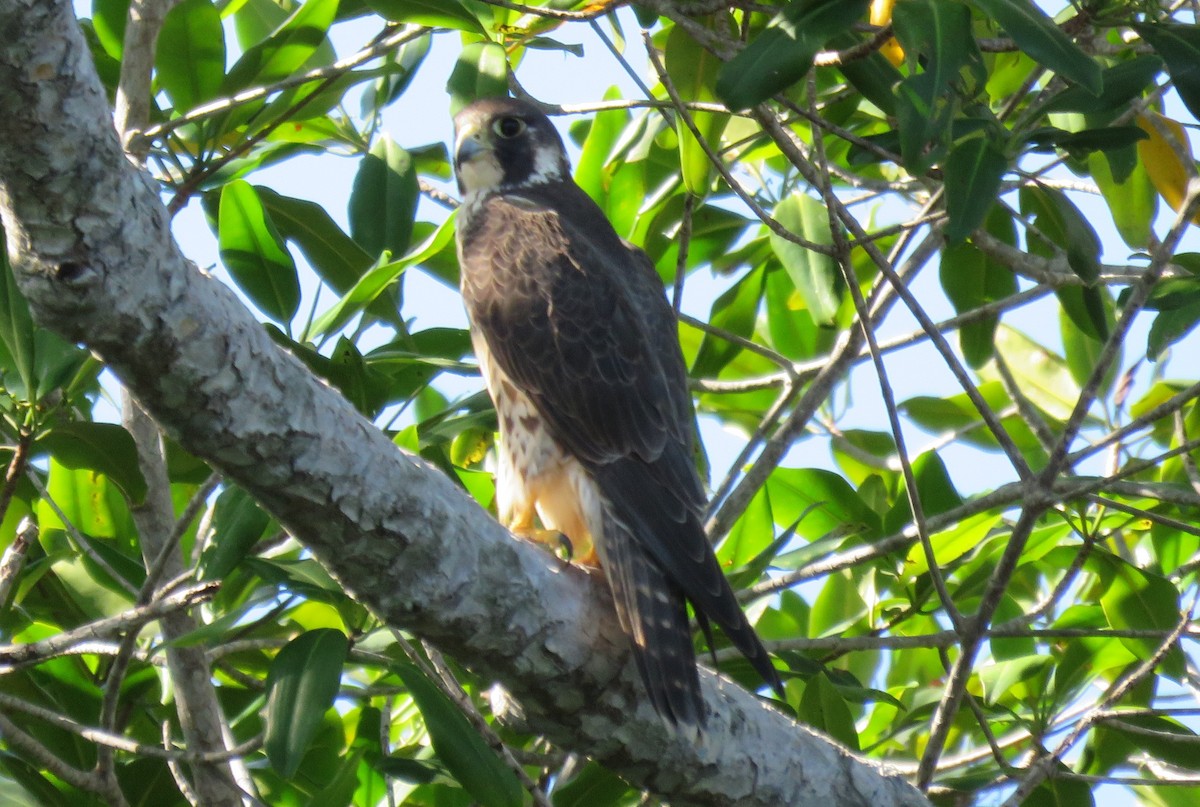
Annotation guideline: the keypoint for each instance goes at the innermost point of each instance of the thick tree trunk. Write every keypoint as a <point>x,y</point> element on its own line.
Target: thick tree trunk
<point>94,255</point>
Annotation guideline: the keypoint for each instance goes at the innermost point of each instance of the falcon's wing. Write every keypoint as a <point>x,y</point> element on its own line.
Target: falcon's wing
<point>582,327</point>
<point>578,320</point>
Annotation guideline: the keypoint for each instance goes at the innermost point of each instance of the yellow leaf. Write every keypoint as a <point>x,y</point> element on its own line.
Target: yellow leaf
<point>1167,171</point>
<point>881,14</point>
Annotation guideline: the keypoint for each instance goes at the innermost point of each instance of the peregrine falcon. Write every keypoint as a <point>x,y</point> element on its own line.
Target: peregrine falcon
<point>578,349</point>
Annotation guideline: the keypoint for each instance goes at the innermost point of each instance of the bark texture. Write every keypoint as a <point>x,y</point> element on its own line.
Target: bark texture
<point>94,255</point>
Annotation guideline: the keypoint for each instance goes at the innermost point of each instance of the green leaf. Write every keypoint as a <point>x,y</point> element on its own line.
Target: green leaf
<point>1179,46</point>
<point>335,256</point>
<point>1058,222</point>
<point>973,174</point>
<point>286,50</point>
<point>1139,600</point>
<point>1038,36</point>
<point>734,311</point>
<point>934,487</point>
<point>1133,202</point>
<point>873,76</point>
<point>783,53</point>
<point>461,15</point>
<point>1082,349</point>
<point>36,785</point>
<point>1162,737</point>
<point>108,20</point>
<point>693,69</point>
<point>190,55</point>
<point>1059,225</point>
<point>950,545</point>
<point>1169,327</point>
<point>373,282</point>
<point>16,328</point>
<point>383,201</point>
<point>301,684</point>
<point>1040,374</point>
<point>103,447</point>
<point>238,523</point>
<point>937,35</point>
<point>458,745</point>
<point>820,503</point>
<point>1061,792</point>
<point>816,276</point>
<point>254,254</point>
<point>1000,678</point>
<point>1122,83</point>
<point>972,279</point>
<point>1084,142</point>
<point>593,786</point>
<point>822,707</point>
<point>480,72</point>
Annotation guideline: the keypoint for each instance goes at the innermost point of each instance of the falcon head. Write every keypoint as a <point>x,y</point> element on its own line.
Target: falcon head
<point>504,143</point>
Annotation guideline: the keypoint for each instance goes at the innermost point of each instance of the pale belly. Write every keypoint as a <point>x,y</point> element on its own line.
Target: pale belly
<point>534,475</point>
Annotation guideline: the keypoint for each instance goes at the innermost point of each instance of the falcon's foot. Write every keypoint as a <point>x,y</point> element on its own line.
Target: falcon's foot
<point>562,545</point>
<point>554,539</point>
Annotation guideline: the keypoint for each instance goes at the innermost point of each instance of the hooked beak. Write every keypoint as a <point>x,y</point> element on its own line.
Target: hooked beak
<point>470,144</point>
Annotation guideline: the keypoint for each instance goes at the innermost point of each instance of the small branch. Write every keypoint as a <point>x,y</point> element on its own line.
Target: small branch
<point>14,558</point>
<point>1044,767</point>
<point>13,657</point>
<point>17,737</point>
<point>335,70</point>
<point>120,742</point>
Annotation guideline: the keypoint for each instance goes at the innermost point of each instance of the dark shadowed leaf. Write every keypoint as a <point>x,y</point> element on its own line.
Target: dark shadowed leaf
<point>458,745</point>
<point>973,174</point>
<point>1038,36</point>
<point>16,329</point>
<point>1122,83</point>
<point>301,685</point>
<point>783,53</point>
<point>823,708</point>
<point>694,71</point>
<point>335,256</point>
<point>383,201</point>
<point>238,522</point>
<point>591,787</point>
<point>734,311</point>
<point>972,279</point>
<point>1179,46</point>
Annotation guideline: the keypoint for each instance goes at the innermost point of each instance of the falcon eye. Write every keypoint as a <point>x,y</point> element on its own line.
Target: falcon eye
<point>508,128</point>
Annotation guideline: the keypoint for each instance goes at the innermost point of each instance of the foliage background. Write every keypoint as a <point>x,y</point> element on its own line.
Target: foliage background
<point>1049,651</point>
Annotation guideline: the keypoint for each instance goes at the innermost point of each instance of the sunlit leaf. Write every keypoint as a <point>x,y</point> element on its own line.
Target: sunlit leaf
<point>816,276</point>
<point>190,53</point>
<point>480,72</point>
<point>254,253</point>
